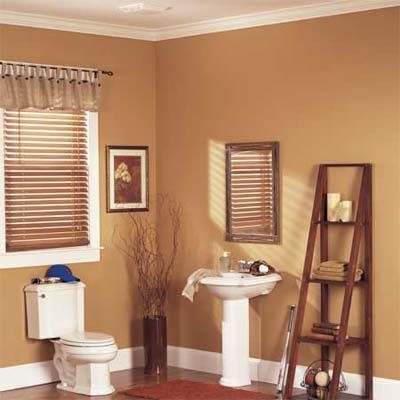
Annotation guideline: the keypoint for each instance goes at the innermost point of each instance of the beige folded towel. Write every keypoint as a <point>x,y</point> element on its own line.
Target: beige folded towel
<point>322,275</point>
<point>334,265</point>
<point>335,273</point>
<point>330,269</point>
<point>192,283</point>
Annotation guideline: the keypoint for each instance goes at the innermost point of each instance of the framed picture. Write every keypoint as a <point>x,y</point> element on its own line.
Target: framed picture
<point>127,178</point>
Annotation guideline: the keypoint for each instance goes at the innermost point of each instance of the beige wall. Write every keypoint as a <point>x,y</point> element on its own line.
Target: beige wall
<point>127,118</point>
<point>326,89</point>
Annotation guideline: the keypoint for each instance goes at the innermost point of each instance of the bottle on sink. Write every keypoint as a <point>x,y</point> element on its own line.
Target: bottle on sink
<point>225,262</point>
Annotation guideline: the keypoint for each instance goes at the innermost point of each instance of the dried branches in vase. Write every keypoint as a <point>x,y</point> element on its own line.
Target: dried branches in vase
<point>152,263</point>
<point>141,244</point>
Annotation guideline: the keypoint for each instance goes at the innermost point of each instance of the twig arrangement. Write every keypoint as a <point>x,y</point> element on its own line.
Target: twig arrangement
<point>147,258</point>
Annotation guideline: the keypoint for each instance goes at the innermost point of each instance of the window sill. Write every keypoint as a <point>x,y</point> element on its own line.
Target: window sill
<point>37,258</point>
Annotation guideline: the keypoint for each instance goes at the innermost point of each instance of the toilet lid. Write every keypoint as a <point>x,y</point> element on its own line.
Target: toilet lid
<point>87,339</point>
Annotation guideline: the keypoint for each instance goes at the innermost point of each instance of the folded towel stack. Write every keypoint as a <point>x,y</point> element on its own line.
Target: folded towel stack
<point>326,328</point>
<point>335,271</point>
<point>325,331</point>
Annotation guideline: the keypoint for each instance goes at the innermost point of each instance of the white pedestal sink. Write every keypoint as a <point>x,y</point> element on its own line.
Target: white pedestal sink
<point>235,289</point>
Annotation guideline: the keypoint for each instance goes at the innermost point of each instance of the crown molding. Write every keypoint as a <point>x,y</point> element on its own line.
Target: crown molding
<point>273,17</point>
<point>197,28</point>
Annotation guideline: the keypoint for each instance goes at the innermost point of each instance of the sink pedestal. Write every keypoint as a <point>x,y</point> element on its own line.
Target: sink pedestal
<point>235,289</point>
<point>235,343</point>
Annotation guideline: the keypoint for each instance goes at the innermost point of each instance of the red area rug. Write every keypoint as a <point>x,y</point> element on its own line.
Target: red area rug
<point>187,390</point>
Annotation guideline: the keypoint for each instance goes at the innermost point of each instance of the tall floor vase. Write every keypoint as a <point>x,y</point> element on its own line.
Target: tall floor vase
<point>155,345</point>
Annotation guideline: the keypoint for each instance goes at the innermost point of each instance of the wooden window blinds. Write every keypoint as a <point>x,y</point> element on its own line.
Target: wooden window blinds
<point>46,179</point>
<point>252,192</point>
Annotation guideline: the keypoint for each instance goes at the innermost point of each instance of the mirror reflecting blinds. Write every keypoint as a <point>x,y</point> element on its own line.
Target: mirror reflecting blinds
<point>252,184</point>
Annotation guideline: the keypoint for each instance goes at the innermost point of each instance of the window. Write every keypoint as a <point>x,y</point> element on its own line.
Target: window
<point>49,173</point>
<point>252,192</point>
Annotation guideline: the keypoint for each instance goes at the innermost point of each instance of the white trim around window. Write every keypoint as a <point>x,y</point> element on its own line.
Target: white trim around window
<point>67,255</point>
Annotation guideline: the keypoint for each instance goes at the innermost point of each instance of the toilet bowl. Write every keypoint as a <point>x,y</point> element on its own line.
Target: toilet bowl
<point>82,362</point>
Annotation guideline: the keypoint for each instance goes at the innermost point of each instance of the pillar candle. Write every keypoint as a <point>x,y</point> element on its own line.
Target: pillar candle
<point>333,203</point>
<point>346,210</point>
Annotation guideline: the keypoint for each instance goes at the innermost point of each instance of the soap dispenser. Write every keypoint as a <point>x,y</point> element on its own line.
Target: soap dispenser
<point>225,262</point>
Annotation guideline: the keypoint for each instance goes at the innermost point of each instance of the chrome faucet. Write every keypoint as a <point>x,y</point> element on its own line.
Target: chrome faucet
<point>244,266</point>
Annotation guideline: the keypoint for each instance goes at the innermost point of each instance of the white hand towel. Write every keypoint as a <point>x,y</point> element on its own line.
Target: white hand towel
<point>192,283</point>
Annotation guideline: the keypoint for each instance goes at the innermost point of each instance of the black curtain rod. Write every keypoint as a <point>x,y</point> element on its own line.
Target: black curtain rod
<point>108,73</point>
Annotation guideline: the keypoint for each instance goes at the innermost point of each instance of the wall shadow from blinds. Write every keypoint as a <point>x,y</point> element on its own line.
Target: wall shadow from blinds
<point>46,179</point>
<point>252,192</point>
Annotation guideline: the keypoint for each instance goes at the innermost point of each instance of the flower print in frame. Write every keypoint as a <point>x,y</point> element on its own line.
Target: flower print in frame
<point>127,178</point>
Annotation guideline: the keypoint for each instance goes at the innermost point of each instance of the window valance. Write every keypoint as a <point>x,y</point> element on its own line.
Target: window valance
<point>44,87</point>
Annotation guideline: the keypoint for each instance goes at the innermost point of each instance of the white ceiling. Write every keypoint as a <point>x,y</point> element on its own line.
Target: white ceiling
<point>182,12</point>
<point>186,18</point>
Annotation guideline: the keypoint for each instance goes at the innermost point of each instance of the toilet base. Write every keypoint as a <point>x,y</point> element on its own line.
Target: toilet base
<point>84,370</point>
<point>90,380</point>
<point>87,391</point>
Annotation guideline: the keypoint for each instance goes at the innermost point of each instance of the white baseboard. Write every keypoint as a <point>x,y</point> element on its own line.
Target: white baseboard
<point>24,375</point>
<point>40,373</point>
<point>131,357</point>
<point>267,371</point>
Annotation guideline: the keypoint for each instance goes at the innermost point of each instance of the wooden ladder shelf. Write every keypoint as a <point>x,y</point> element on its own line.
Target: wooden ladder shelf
<point>362,225</point>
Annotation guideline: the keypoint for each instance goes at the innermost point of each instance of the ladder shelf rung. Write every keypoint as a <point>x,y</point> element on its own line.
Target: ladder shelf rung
<point>330,282</point>
<point>352,340</point>
<point>347,165</point>
<point>351,223</point>
<point>340,396</point>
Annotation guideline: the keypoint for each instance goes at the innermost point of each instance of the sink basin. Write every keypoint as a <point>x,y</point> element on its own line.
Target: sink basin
<point>235,289</point>
<point>235,285</point>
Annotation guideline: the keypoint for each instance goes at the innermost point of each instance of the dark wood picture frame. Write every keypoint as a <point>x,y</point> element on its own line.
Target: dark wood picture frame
<point>274,238</point>
<point>109,156</point>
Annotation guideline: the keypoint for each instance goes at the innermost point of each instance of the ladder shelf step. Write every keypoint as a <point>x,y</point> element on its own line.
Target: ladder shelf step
<point>352,340</point>
<point>340,396</point>
<point>329,282</point>
<point>351,223</point>
<point>347,165</point>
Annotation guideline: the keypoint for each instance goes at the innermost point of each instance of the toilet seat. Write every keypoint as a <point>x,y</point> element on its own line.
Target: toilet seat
<point>87,339</point>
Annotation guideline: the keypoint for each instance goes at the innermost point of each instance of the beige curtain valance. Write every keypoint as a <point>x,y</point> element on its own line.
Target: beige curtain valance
<point>48,88</point>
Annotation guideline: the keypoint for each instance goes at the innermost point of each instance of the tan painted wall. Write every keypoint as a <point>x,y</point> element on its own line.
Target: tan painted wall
<point>326,89</point>
<point>127,118</point>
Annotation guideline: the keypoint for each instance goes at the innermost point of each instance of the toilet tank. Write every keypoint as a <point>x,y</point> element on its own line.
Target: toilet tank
<point>54,309</point>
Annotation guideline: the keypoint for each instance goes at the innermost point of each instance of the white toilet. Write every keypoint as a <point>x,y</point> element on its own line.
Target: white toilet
<point>56,311</point>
